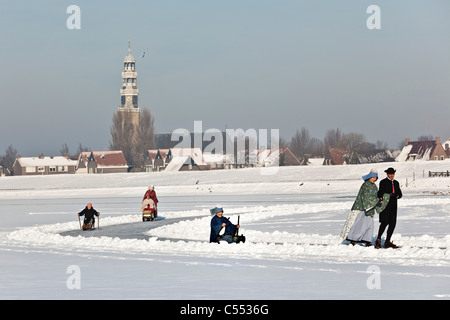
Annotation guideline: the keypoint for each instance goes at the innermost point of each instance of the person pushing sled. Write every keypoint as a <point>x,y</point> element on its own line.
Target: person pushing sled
<point>148,209</point>
<point>218,222</point>
<point>149,206</point>
<point>89,221</point>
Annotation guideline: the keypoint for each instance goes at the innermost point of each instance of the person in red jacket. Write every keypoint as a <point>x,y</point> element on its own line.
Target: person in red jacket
<point>151,192</point>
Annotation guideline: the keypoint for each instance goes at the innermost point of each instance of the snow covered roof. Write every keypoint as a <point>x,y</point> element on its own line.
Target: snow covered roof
<point>417,150</point>
<point>43,161</point>
<point>404,154</point>
<point>105,159</point>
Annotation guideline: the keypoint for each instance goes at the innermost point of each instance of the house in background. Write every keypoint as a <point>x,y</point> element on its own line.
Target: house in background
<point>446,146</point>
<point>43,165</point>
<point>149,160</point>
<point>183,159</point>
<point>337,156</point>
<point>157,159</point>
<point>422,150</point>
<point>268,157</point>
<point>341,156</point>
<point>101,162</point>
<point>288,158</point>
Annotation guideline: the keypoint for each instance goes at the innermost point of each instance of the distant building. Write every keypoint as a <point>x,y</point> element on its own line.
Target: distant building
<point>446,146</point>
<point>157,159</point>
<point>186,159</point>
<point>128,109</point>
<point>337,156</point>
<point>101,162</point>
<point>43,165</point>
<point>183,159</point>
<point>422,150</point>
<point>342,156</point>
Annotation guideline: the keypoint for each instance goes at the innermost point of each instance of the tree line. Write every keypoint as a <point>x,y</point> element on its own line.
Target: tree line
<point>134,142</point>
<point>303,145</point>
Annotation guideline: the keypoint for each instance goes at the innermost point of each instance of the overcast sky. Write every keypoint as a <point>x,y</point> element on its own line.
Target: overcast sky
<point>262,64</point>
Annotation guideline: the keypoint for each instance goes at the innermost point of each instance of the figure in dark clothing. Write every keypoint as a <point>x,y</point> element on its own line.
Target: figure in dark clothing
<point>89,214</point>
<point>388,217</point>
<point>218,222</point>
<point>151,192</point>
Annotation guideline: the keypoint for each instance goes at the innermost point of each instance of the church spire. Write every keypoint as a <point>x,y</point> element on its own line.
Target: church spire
<point>129,91</point>
<point>129,108</point>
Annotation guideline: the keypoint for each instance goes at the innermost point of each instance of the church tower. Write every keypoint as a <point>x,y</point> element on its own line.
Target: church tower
<point>129,108</point>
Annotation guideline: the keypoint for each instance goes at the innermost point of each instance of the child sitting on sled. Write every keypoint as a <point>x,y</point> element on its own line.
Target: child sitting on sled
<point>148,208</point>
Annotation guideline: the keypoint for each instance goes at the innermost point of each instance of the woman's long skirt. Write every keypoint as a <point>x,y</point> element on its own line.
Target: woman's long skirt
<point>349,223</point>
<point>362,229</point>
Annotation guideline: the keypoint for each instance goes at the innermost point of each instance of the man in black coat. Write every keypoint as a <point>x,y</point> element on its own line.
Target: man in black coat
<point>89,212</point>
<point>388,217</point>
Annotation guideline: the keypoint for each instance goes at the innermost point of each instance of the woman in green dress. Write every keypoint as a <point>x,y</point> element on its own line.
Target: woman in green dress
<point>359,225</point>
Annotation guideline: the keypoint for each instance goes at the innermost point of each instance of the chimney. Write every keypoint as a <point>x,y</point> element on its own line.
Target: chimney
<point>41,156</point>
<point>406,141</point>
<point>438,140</point>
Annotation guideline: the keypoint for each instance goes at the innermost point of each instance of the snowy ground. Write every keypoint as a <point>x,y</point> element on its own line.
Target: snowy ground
<point>291,219</point>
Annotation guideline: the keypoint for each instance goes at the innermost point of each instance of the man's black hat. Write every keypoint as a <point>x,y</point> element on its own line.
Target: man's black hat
<point>390,171</point>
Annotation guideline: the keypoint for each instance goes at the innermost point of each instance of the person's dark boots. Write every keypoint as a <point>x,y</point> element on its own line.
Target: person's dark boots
<point>389,244</point>
<point>378,244</point>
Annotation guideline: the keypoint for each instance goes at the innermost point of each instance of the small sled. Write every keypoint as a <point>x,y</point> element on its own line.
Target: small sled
<point>88,226</point>
<point>238,239</point>
<point>148,215</point>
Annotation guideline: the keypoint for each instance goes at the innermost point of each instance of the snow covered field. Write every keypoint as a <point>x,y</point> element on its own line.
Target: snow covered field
<point>291,219</point>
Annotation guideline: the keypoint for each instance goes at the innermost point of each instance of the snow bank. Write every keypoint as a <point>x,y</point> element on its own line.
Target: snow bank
<point>424,250</point>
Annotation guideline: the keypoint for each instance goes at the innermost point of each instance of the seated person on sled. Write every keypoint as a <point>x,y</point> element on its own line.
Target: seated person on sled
<point>218,222</point>
<point>148,208</point>
<point>152,193</point>
<point>89,212</point>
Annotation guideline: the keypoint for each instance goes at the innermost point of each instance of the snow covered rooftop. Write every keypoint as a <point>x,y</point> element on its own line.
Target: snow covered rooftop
<point>43,161</point>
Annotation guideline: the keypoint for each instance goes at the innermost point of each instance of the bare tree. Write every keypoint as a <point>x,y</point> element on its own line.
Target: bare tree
<point>354,141</point>
<point>81,148</point>
<point>122,136</point>
<point>145,137</point>
<point>380,144</point>
<point>303,145</point>
<point>428,137</point>
<point>64,149</point>
<point>132,141</point>
<point>333,139</point>
<point>8,160</point>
